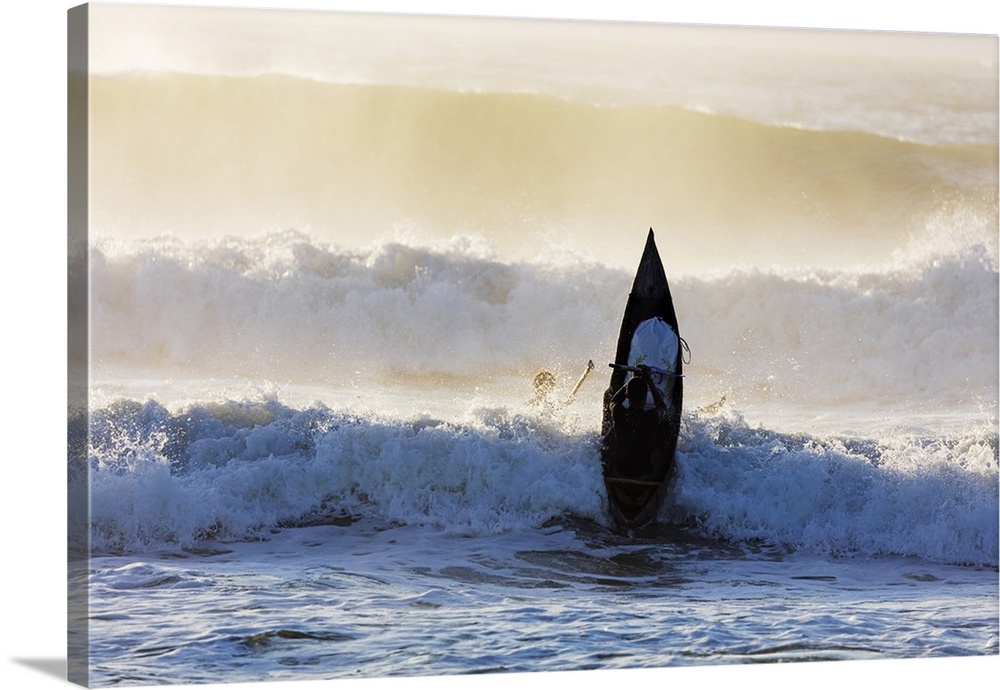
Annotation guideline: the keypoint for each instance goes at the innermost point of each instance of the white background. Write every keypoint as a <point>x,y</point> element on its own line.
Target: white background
<point>33,214</point>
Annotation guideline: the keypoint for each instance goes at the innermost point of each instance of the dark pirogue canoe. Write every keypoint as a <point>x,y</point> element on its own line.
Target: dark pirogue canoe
<point>637,470</point>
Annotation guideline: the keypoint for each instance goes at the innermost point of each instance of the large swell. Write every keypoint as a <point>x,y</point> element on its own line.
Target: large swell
<point>210,154</point>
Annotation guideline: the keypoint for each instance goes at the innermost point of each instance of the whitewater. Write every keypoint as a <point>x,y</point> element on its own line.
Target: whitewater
<point>319,290</point>
<point>294,453</point>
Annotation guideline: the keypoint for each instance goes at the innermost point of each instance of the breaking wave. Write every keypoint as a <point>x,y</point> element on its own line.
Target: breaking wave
<point>284,307</point>
<point>237,470</point>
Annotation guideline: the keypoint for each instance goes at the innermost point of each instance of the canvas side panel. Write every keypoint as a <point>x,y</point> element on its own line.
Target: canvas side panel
<point>78,636</point>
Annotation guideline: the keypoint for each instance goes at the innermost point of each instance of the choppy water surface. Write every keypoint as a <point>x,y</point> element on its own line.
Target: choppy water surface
<point>343,601</point>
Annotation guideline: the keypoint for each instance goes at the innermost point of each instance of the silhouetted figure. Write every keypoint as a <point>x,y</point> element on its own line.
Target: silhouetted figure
<point>636,425</point>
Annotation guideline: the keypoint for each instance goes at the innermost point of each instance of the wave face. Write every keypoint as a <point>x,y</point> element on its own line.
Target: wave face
<point>214,154</point>
<point>237,470</point>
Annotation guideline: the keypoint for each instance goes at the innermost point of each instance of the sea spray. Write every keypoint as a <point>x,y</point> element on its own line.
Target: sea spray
<point>919,329</point>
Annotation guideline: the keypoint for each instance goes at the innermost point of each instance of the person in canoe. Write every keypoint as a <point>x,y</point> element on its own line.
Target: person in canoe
<point>635,425</point>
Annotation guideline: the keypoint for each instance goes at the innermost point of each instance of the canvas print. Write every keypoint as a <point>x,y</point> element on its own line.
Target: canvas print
<point>413,345</point>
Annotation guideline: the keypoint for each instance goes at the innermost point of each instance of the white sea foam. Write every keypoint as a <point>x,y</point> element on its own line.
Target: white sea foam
<point>919,330</point>
<point>934,497</point>
<point>237,470</point>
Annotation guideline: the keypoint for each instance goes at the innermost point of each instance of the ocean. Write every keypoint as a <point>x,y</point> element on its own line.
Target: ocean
<point>329,252</point>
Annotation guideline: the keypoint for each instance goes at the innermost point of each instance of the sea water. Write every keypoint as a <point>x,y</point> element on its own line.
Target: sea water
<point>323,276</point>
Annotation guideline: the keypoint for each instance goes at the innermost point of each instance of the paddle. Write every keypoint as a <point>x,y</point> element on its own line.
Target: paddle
<point>638,370</point>
<point>586,373</point>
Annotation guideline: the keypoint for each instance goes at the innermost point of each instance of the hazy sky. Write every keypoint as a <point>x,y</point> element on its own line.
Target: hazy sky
<point>151,37</point>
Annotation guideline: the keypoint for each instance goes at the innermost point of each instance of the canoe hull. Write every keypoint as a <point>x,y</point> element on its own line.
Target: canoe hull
<point>635,499</point>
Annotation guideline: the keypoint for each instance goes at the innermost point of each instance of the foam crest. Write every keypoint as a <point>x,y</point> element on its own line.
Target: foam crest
<point>920,328</point>
<point>238,469</point>
<point>932,497</point>
<point>284,307</point>
<point>235,470</point>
